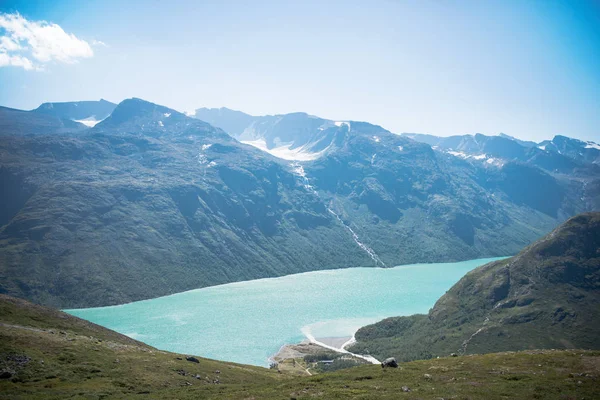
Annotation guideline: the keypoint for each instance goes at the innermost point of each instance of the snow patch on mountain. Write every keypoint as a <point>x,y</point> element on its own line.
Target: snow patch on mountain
<point>466,156</point>
<point>298,170</point>
<point>285,151</point>
<point>459,154</point>
<point>89,121</point>
<point>342,123</point>
<point>592,145</point>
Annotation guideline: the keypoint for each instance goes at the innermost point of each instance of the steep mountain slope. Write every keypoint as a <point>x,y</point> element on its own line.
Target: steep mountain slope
<point>545,297</point>
<point>388,186</point>
<point>489,196</point>
<point>150,202</point>
<point>46,354</point>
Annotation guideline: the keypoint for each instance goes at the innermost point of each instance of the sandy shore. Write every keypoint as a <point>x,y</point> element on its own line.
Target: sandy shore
<point>336,342</point>
<point>299,350</point>
<point>313,345</point>
<point>305,347</point>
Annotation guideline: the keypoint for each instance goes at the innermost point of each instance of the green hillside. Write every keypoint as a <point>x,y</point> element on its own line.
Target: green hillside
<point>46,354</point>
<point>545,297</point>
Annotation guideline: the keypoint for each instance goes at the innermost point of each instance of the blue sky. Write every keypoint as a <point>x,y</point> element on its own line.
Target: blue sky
<point>530,69</point>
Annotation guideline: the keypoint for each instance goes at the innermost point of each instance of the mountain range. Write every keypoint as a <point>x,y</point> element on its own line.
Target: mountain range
<point>115,203</point>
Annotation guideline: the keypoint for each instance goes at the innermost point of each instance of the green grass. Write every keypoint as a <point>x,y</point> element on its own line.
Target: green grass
<point>64,357</point>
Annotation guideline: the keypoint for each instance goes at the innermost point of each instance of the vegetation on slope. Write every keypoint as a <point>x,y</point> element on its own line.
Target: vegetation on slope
<point>545,297</point>
<point>149,203</point>
<point>50,354</point>
<point>46,354</point>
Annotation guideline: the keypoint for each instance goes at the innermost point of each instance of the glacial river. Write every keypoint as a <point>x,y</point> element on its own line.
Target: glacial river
<point>247,322</point>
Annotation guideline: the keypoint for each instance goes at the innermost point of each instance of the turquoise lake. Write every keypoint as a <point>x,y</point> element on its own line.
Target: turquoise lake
<point>247,322</point>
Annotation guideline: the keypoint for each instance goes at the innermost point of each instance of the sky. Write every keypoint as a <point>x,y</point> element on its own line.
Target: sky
<point>530,69</point>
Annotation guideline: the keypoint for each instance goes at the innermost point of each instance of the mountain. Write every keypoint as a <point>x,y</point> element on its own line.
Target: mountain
<point>231,121</point>
<point>54,118</point>
<point>23,123</point>
<point>545,297</point>
<point>149,195</point>
<point>478,146</point>
<point>88,113</point>
<point>473,197</point>
<point>562,154</point>
<point>150,202</point>
<point>524,143</point>
<point>573,148</point>
<point>47,354</point>
<point>296,136</point>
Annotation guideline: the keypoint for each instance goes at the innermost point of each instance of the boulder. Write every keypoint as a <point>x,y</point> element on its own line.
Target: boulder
<point>5,375</point>
<point>192,359</point>
<point>389,362</point>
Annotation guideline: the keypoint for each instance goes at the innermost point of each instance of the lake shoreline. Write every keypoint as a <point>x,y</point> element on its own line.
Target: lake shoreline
<point>305,347</point>
<point>269,278</point>
<point>249,322</point>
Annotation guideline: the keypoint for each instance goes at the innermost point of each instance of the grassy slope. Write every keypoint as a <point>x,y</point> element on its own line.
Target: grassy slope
<point>545,297</point>
<point>71,358</point>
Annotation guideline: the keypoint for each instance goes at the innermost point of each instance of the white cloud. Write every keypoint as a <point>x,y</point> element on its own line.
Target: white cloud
<point>22,40</point>
<point>99,43</point>
<point>15,61</point>
<point>7,44</point>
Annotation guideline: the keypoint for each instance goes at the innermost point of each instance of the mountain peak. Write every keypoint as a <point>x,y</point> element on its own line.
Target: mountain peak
<point>142,117</point>
<point>78,110</point>
<point>131,110</point>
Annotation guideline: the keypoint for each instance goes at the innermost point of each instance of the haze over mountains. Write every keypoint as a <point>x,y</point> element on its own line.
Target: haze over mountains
<point>150,201</point>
